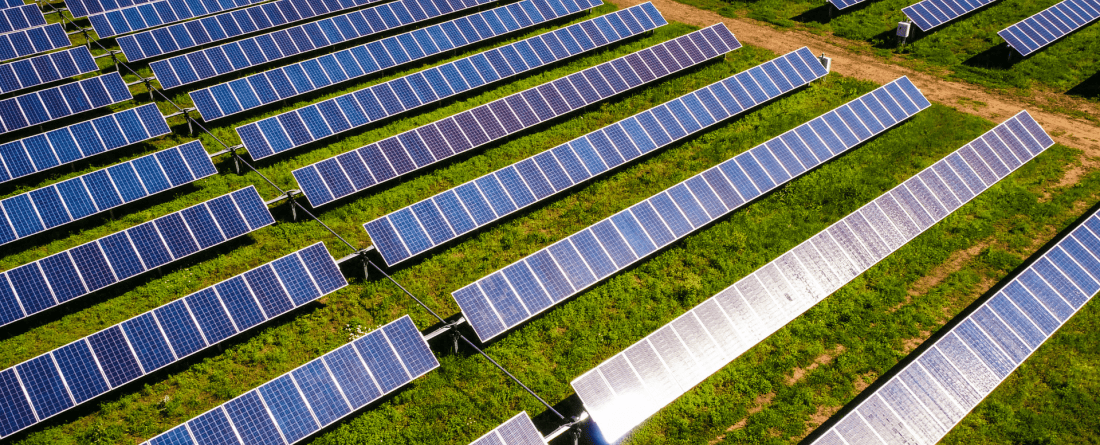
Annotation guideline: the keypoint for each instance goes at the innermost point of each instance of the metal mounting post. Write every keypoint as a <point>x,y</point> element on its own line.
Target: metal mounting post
<point>149,87</point>
<point>293,205</point>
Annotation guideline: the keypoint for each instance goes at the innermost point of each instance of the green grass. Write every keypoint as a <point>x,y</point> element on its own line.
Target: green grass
<point>968,49</point>
<point>467,396</point>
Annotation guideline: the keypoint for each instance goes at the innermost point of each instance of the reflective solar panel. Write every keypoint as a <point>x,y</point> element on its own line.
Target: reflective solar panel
<point>446,216</point>
<point>1042,29</point>
<point>76,272</point>
<point>14,45</point>
<point>351,172</point>
<point>65,145</point>
<point>40,70</point>
<point>929,14</point>
<point>522,290</point>
<point>61,101</point>
<point>933,393</point>
<point>67,201</point>
<point>21,17</point>
<point>264,88</point>
<point>629,387</point>
<point>167,334</point>
<point>231,25</point>
<point>196,8</point>
<point>516,431</point>
<point>323,391</point>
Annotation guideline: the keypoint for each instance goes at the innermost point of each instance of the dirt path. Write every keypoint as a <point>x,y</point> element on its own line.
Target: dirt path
<point>1068,131</point>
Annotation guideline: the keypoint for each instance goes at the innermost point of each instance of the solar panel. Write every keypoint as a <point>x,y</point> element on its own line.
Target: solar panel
<point>292,80</point>
<point>632,385</point>
<point>516,431</point>
<point>21,17</point>
<point>310,123</point>
<point>933,393</point>
<point>226,25</point>
<point>539,281</point>
<point>31,41</point>
<point>56,279</point>
<point>10,3</point>
<point>929,14</point>
<point>67,201</point>
<point>334,178</point>
<point>78,141</point>
<point>57,381</point>
<point>196,8</point>
<point>231,25</point>
<point>844,4</point>
<point>1042,29</point>
<point>40,70</point>
<point>299,403</point>
<point>62,101</point>
<point>410,231</point>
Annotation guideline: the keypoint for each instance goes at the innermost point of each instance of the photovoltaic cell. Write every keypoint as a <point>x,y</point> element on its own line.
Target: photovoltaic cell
<point>353,376</point>
<point>43,209</point>
<point>277,134</point>
<point>608,147</point>
<point>516,431</point>
<point>14,45</point>
<point>1042,29</point>
<point>800,281</point>
<point>987,345</point>
<point>21,17</point>
<point>62,101</point>
<point>69,144</point>
<point>228,24</point>
<point>47,68</point>
<point>83,269</point>
<point>929,14</point>
<point>83,8</point>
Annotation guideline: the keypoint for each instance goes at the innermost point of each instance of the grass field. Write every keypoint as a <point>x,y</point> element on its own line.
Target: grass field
<point>875,320</point>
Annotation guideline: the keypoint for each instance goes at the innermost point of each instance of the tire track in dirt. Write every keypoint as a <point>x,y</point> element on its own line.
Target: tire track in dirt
<point>1075,133</point>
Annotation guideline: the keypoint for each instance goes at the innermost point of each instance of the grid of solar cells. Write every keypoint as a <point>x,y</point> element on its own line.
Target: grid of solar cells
<point>21,17</point>
<point>82,8</point>
<point>522,290</point>
<point>410,231</point>
<point>929,14</point>
<point>231,25</point>
<point>10,3</point>
<point>76,272</point>
<point>634,384</point>
<point>313,74</point>
<point>317,394</point>
<point>46,68</point>
<point>52,383</point>
<point>1042,29</point>
<point>78,141</point>
<point>61,101</point>
<point>39,210</point>
<point>516,431</point>
<point>842,4</point>
<point>14,45</point>
<point>343,175</point>
<point>932,394</point>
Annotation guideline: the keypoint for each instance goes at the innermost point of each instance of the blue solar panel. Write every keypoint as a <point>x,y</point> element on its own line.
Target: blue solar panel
<point>65,145</point>
<point>929,14</point>
<point>1044,28</point>
<point>324,390</point>
<point>640,230</point>
<point>326,70</point>
<point>82,8</point>
<point>89,267</point>
<point>30,41</point>
<point>46,68</point>
<point>155,339</point>
<point>844,4</point>
<point>21,17</point>
<point>724,326</point>
<point>66,100</point>
<point>557,169</point>
<point>86,195</point>
<point>516,431</point>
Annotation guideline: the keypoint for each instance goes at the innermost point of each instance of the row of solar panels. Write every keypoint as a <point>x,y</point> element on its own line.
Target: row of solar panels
<point>292,80</point>
<point>21,17</point>
<point>62,101</point>
<point>193,34</point>
<point>83,8</point>
<point>1051,24</point>
<point>340,176</point>
<point>44,386</point>
<point>312,122</point>
<point>14,45</point>
<point>310,75</point>
<point>40,70</point>
<point>231,24</point>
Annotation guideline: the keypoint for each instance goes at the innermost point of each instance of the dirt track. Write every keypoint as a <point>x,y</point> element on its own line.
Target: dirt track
<point>1068,131</point>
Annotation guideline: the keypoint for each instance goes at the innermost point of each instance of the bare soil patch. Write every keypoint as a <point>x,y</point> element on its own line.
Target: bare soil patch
<point>823,359</point>
<point>758,404</point>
